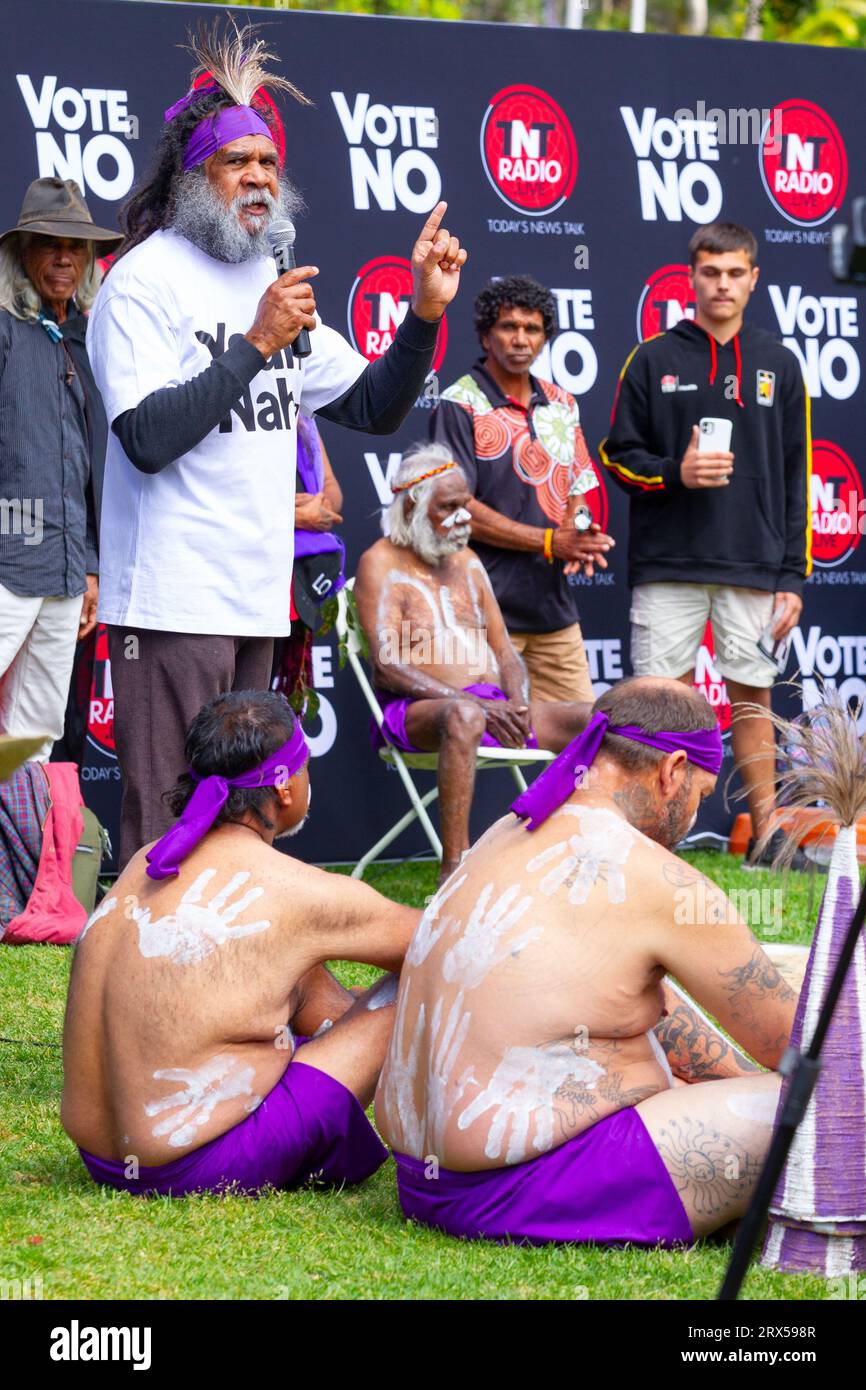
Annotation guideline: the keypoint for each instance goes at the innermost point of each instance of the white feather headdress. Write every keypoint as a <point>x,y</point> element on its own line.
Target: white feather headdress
<point>236,61</point>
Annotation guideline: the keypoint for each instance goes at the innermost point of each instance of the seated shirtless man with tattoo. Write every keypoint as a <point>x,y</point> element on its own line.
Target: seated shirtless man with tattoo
<point>533,1088</point>
<point>197,1048</point>
<point>448,676</point>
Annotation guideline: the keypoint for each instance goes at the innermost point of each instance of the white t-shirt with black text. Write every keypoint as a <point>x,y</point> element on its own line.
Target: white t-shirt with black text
<point>206,545</point>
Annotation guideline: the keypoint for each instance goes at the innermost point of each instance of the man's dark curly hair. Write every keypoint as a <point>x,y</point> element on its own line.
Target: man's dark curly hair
<point>231,734</point>
<point>149,207</point>
<point>513,292</point>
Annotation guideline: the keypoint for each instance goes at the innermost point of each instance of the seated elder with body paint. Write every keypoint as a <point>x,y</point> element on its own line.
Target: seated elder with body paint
<point>447,675</point>
<point>199,979</point>
<point>532,1088</point>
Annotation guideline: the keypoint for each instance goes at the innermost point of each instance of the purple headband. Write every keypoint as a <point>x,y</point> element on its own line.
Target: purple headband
<point>211,795</point>
<point>217,129</point>
<point>557,782</point>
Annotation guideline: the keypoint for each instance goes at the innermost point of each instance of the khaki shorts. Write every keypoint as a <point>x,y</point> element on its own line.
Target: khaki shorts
<point>668,621</point>
<point>557,664</point>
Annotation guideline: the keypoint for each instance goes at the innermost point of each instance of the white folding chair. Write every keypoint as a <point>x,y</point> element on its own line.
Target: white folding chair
<point>487,758</point>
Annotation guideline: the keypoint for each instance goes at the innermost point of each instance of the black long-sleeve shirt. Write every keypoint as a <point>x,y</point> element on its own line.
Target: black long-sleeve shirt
<point>171,421</point>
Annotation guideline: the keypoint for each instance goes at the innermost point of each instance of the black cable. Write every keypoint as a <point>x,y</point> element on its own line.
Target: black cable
<point>29,1042</point>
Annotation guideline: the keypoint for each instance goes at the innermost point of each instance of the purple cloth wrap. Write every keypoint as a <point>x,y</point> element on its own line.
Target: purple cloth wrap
<point>211,795</point>
<point>608,1184</point>
<point>393,731</point>
<point>559,780</point>
<point>220,128</point>
<point>309,1126</point>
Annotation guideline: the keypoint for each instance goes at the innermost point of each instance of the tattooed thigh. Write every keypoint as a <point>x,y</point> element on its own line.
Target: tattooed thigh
<point>713,1138</point>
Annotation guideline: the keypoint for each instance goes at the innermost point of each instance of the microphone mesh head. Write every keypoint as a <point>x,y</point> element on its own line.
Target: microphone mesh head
<point>281,233</point>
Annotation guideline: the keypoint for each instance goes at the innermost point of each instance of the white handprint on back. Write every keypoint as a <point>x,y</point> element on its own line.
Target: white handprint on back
<point>194,930</point>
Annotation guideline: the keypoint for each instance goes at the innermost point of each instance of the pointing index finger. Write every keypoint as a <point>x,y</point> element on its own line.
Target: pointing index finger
<point>431,226</point>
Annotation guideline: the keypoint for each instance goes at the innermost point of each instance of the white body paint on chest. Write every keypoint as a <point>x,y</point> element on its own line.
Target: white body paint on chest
<point>105,907</point>
<point>222,1078</point>
<point>522,1091</point>
<point>597,854</point>
<point>194,930</point>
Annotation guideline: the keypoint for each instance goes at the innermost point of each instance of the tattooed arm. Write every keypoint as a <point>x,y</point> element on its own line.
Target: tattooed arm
<point>710,950</point>
<point>695,1048</point>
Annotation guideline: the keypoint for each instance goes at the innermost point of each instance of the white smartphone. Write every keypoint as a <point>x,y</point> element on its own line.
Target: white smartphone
<point>715,435</point>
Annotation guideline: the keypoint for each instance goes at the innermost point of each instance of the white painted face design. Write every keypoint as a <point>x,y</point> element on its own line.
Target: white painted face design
<point>597,854</point>
<point>105,907</point>
<point>193,931</point>
<point>222,1078</point>
<point>521,1092</point>
<point>458,518</point>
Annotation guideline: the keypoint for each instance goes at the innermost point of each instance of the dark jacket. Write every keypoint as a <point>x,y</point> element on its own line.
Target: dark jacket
<point>754,533</point>
<point>52,452</point>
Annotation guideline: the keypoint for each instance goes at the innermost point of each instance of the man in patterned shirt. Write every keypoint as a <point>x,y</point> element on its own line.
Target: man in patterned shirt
<point>519,442</point>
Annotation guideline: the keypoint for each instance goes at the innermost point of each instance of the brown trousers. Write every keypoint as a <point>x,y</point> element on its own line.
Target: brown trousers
<point>556,663</point>
<point>161,680</point>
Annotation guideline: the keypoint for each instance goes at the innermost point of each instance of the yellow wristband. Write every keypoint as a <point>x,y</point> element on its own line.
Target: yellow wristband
<point>548,545</point>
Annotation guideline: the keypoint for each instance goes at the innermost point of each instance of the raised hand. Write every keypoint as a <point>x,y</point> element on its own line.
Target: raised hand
<point>437,259</point>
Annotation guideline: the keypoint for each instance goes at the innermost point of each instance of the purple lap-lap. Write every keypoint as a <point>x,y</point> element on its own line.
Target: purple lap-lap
<point>608,1185</point>
<point>308,1126</point>
<point>393,730</point>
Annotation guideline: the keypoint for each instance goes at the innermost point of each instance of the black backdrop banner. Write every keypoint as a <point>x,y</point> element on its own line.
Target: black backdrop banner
<point>582,158</point>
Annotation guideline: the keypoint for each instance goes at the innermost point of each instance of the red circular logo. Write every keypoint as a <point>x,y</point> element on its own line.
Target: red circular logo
<point>837,504</point>
<point>528,150</point>
<point>100,707</point>
<point>666,298</point>
<point>803,162</point>
<point>710,681</point>
<point>378,303</point>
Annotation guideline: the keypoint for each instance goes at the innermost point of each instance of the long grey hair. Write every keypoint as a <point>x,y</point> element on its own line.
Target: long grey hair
<point>18,294</point>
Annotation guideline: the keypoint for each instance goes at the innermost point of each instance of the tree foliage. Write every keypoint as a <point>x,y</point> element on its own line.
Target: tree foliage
<point>837,23</point>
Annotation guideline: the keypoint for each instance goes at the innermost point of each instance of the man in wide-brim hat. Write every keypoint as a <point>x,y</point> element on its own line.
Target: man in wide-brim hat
<point>52,452</point>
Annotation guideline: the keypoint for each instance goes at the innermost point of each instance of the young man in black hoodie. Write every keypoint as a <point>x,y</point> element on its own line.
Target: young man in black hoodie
<point>726,534</point>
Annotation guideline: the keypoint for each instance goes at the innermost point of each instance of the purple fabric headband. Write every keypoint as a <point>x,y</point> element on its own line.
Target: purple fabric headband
<point>217,129</point>
<point>220,129</point>
<point>211,795</point>
<point>557,782</point>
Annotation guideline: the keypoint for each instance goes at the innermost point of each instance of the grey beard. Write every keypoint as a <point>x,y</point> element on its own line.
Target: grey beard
<point>199,214</point>
<point>427,544</point>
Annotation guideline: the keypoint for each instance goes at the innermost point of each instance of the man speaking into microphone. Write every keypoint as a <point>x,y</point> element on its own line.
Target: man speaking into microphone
<point>191,340</point>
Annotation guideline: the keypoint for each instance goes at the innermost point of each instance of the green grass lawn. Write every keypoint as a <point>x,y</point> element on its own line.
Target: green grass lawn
<point>90,1243</point>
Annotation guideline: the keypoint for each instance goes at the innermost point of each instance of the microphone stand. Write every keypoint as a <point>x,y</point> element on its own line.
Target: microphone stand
<point>803,1068</point>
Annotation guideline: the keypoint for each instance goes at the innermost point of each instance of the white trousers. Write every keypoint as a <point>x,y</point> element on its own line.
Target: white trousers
<point>37,648</point>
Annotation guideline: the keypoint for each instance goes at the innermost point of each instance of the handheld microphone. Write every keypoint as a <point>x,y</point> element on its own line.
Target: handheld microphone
<point>281,235</point>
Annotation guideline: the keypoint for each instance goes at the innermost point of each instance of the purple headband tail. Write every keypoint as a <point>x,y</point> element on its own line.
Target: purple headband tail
<point>558,781</point>
<point>192,95</point>
<point>211,795</point>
